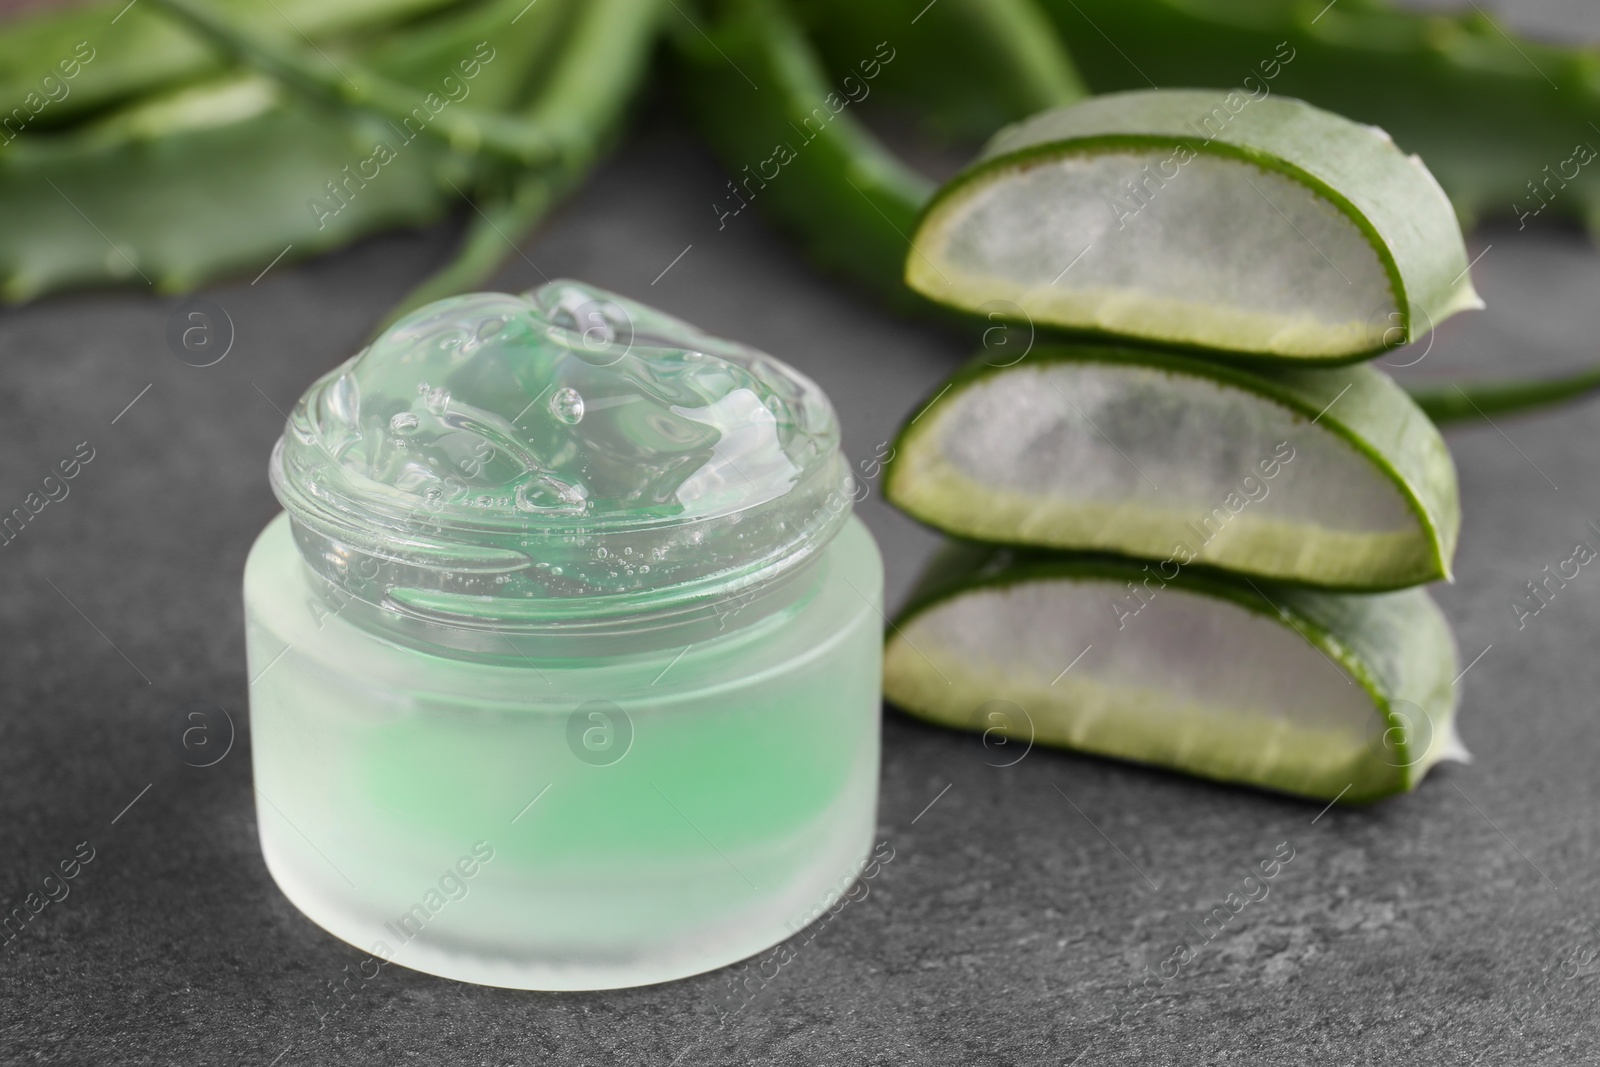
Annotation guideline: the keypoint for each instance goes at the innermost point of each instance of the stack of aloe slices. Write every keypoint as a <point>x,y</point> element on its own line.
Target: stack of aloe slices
<point>1191,534</point>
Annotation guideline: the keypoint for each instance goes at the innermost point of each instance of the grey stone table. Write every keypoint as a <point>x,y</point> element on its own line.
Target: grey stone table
<point>1453,926</point>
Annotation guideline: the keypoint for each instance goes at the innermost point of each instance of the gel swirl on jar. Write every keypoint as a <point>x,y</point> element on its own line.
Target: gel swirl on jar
<point>558,464</point>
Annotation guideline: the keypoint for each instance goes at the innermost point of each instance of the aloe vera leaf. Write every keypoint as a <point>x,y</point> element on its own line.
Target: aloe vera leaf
<point>218,178</point>
<point>597,75</point>
<point>1323,695</point>
<point>144,211</point>
<point>465,128</point>
<point>588,92</point>
<point>413,56</point>
<point>822,212</point>
<point>964,67</point>
<point>836,238</point>
<point>134,50</point>
<point>1260,227</point>
<point>763,102</point>
<point>1330,478</point>
<point>1473,400</point>
<point>1495,116</point>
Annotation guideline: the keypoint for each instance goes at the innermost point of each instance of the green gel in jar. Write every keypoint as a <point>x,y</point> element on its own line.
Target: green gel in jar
<point>566,651</point>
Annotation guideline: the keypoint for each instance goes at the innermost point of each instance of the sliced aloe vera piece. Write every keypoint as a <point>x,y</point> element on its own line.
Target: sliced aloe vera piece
<point>1323,695</point>
<point>1333,478</point>
<point>1204,218</point>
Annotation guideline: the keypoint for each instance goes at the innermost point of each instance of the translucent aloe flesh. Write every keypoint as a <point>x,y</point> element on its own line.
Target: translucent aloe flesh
<point>856,202</point>
<point>1316,694</point>
<point>1331,478</point>
<point>1204,218</point>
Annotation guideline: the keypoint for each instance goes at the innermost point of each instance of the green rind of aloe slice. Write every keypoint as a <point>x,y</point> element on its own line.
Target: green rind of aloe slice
<point>1362,408</point>
<point>1390,197</point>
<point>952,657</point>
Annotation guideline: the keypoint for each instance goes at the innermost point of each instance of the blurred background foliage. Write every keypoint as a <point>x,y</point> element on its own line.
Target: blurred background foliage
<point>166,143</point>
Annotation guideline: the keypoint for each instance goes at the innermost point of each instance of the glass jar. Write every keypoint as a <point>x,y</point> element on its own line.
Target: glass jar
<point>565,655</point>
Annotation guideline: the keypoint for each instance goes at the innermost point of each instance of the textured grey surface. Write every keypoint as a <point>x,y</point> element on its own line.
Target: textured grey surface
<point>1453,926</point>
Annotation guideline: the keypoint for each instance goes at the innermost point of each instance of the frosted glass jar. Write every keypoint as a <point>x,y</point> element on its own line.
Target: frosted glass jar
<point>566,652</point>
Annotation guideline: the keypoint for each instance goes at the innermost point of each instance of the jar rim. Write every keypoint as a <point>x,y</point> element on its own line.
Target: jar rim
<point>426,564</point>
